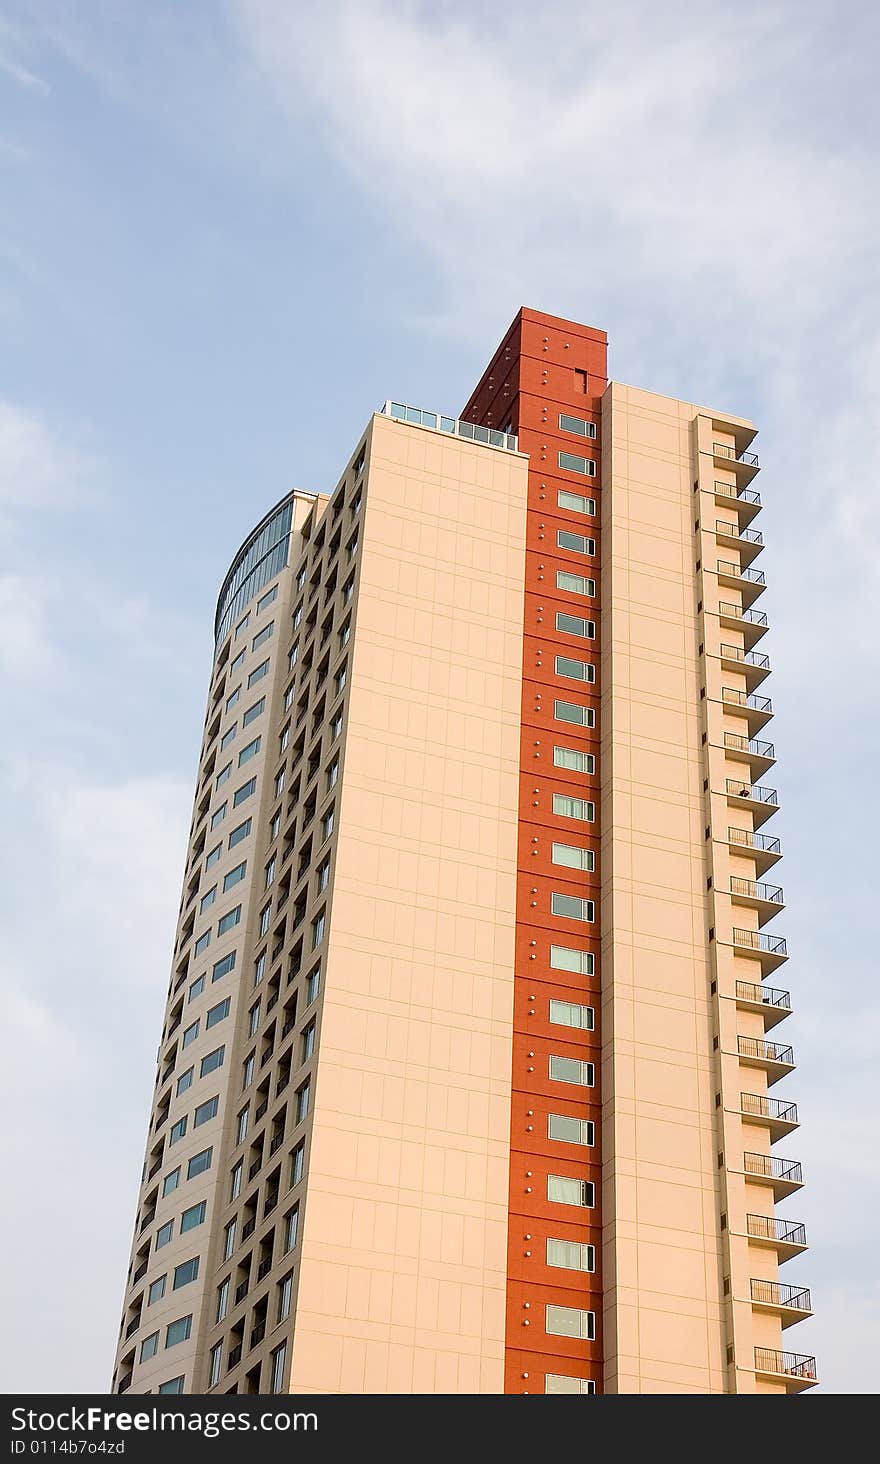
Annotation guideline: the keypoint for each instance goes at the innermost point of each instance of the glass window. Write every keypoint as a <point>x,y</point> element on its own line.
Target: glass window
<point>257,674</point>
<point>228,1247</point>
<point>308,1041</point>
<point>565,711</point>
<point>577,424</point>
<point>238,661</point>
<point>571,1255</point>
<point>175,1385</point>
<point>233,698</point>
<point>279,1368</point>
<point>571,907</point>
<point>279,782</point>
<point>577,543</point>
<point>571,1070</point>
<point>206,1111</point>
<point>318,926</point>
<point>218,816</point>
<point>207,899</point>
<point>313,985</point>
<point>262,636</point>
<point>179,1331</point>
<point>212,1061</point>
<point>224,774</point>
<point>184,1081</point>
<point>568,807</point>
<point>149,1346</point>
<point>228,736</point>
<point>266,600</point>
<point>333,774</point>
<point>202,943</point>
<point>569,1130</point>
<point>297,1163</point>
<point>254,1019</point>
<point>164,1234</point>
<point>242,1125</point>
<point>323,877</point>
<point>190,1034</point>
<point>234,877</point>
<point>572,1014</point>
<point>259,968</point>
<point>242,625</point>
<point>577,670</point>
<point>248,752</point>
<point>240,833</point>
<point>229,920</point>
<point>270,872</point>
<point>235,1184</point>
<point>291,1228</point>
<point>576,625</point>
<point>576,584</point>
<point>253,712</point>
<point>177,1131</point>
<point>214,855</point>
<point>327,823</point>
<point>244,792</point>
<point>199,1163</point>
<point>170,1182</point>
<point>224,966</point>
<point>574,857</point>
<point>577,503</point>
<point>303,1097</point>
<point>197,988</point>
<point>265,918</point>
<point>564,1191</point>
<point>574,464</point>
<point>577,762</point>
<point>193,1217</point>
<point>216,1368</point>
<point>184,1273</point>
<point>563,958</point>
<point>562,1383</point>
<point>157,1289</point>
<point>217,1013</point>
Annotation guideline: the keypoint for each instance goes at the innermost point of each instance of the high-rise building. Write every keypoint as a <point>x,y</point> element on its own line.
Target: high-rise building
<point>465,1080</point>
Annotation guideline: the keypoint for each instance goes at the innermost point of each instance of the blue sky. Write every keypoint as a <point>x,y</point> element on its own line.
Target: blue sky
<point>227,232</point>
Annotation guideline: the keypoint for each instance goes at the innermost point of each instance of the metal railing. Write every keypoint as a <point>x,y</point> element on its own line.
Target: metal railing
<point>132,1327</point>
<point>749,840</point>
<point>770,1166</point>
<point>763,995</point>
<point>736,571</point>
<point>768,1227</point>
<point>754,940</point>
<point>234,1358</point>
<point>756,889</point>
<point>787,1364</point>
<point>763,1051</point>
<point>258,1332</point>
<point>746,658</point>
<point>754,745</point>
<point>241,1290</point>
<point>491,436</point>
<point>722,450</point>
<point>779,1293</point>
<point>747,617</point>
<point>730,490</point>
<point>746,699</point>
<point>733,531</point>
<point>757,792</point>
<point>758,1105</point>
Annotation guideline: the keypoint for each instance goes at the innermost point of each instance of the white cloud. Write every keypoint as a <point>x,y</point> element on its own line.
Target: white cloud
<point>38,468</point>
<point>25,647</point>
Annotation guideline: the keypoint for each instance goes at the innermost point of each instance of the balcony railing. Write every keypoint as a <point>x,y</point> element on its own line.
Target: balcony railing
<point>775,1109</point>
<point>730,490</point>
<point>777,1293</point>
<point>736,612</point>
<point>756,792</point>
<point>258,1333</point>
<point>756,889</point>
<point>768,1227</point>
<point>788,1364</point>
<point>747,699</point>
<point>248,1227</point>
<point>264,1267</point>
<point>745,658</point>
<point>132,1327</point>
<point>771,1166</point>
<point>752,746</point>
<point>125,1383</point>
<point>754,940</point>
<point>141,1271</point>
<point>733,531</point>
<point>489,435</point>
<point>748,459</point>
<point>762,995</point>
<point>736,571</point>
<point>759,1050</point>
<point>765,842</point>
<point>234,1358</point>
<point>241,1290</point>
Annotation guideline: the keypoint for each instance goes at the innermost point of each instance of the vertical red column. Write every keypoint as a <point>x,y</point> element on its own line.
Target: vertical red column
<point>545,383</point>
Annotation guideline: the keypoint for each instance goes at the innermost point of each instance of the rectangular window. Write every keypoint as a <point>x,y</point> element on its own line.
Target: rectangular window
<point>174,1385</point>
<point>574,464</point>
<point>291,1228</point>
<point>257,674</point>
<point>279,782</point>
<point>308,1042</point>
<point>244,792</point>
<point>577,424</point>
<point>178,1130</point>
<point>164,1234</point>
<point>202,943</point>
<point>179,1331</point>
<point>571,1070</point>
<point>270,873</point>
<point>238,661</point>
<point>563,958</point>
<point>577,670</point>
<point>327,823</point>
<point>193,1217</point>
<point>576,584</point>
<point>207,899</point>
<point>216,1369</point>
<point>279,1368</point>
<point>248,1071</point>
<point>239,833</point>
<point>565,711</point>
<point>242,1127</point>
<point>253,712</point>
<point>576,762</point>
<point>572,1014</point>
<point>223,775</point>
<point>234,877</point>
<point>228,1247</point>
<point>149,1346</point>
<point>568,807</point>
<point>318,926</point>
<point>217,1013</point>
<point>303,1098</point>
<point>213,856</point>
<point>323,878</point>
<point>228,736</point>
<point>564,1191</point>
<point>336,726</point>
<point>297,1163</point>
<point>218,816</point>
<point>568,1130</point>
<point>170,1182</point>
<point>157,1290</point>
<point>577,543</point>
<point>313,985</point>
<point>571,907</point>
<point>254,1019</point>
<point>265,918</point>
<point>285,1293</point>
<point>248,752</point>
<point>262,636</point>
<point>562,1383</point>
<point>229,920</point>
<point>233,698</point>
<point>235,1185</point>
<point>186,1272</point>
<point>242,625</point>
<point>574,857</point>
<point>576,503</point>
<point>570,1255</point>
<point>224,966</point>
<point>576,625</point>
<point>197,988</point>
<point>212,1061</point>
<point>199,1163</point>
<point>184,1081</point>
<point>206,1111</point>
<point>266,600</point>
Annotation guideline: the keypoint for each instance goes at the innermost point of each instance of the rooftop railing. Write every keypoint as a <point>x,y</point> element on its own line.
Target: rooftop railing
<point>491,436</point>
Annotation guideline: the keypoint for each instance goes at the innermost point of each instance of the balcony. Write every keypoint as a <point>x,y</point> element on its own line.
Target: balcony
<point>749,542</point>
<point>770,950</point>
<point>757,710</point>
<point>795,1369</point>
<point>788,1238</point>
<point>132,1327</point>
<point>248,1227</point>
<point>264,1268</point>
<point>750,582</point>
<point>241,1290</point>
<point>790,1303</point>
<point>773,1004</point>
<point>746,502</point>
<point>753,666</point>
<point>234,1358</point>
<point>774,1058</point>
<point>141,1271</point>
<point>760,802</point>
<point>258,1333</point>
<point>767,899</point>
<point>125,1383</point>
<point>744,464</point>
<point>763,848</point>
<point>777,1115</point>
<point>759,755</point>
<point>784,1176</point>
<point>752,623</point>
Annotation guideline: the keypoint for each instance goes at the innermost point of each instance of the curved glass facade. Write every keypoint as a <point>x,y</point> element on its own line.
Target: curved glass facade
<point>259,559</point>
